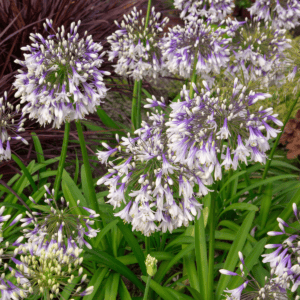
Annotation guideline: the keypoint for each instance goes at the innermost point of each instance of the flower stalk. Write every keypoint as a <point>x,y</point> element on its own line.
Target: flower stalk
<point>211,251</point>
<point>63,156</point>
<point>137,89</point>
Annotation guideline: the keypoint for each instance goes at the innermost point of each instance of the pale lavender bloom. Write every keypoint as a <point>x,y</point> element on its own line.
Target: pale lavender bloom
<point>136,48</point>
<point>198,125</point>
<point>59,224</point>
<point>62,81</point>
<point>195,41</point>
<point>283,14</point>
<point>215,10</point>
<point>147,199</point>
<point>11,124</point>
<point>259,53</point>
<point>274,287</point>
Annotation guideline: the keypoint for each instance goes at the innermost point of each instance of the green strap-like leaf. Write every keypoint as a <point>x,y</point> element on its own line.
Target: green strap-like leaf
<point>114,264</point>
<point>96,282</point>
<point>135,247</point>
<point>179,256</point>
<point>266,201</point>
<point>25,171</point>
<point>250,261</point>
<point>123,292</point>
<point>260,183</point>
<point>232,257</point>
<point>240,206</point>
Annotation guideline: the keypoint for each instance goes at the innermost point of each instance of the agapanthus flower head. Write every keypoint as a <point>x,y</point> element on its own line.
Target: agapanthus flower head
<point>57,221</point>
<point>282,13</point>
<point>258,49</point>
<point>135,46</point>
<point>199,126</point>
<point>293,66</point>
<point>285,257</point>
<point>146,177</point>
<point>11,124</point>
<point>194,41</point>
<point>284,263</point>
<point>215,10</point>
<point>62,80</point>
<point>274,287</point>
<point>46,271</point>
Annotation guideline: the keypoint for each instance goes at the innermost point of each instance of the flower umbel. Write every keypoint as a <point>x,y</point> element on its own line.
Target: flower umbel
<point>62,81</point>
<point>136,47</point>
<point>157,191</point>
<point>11,123</point>
<point>56,221</point>
<point>199,125</point>
<point>47,271</point>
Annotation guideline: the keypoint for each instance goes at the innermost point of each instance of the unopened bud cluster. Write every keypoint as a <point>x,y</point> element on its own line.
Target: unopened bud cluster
<point>151,265</point>
<point>39,266</point>
<point>61,81</point>
<point>135,46</point>
<point>11,124</point>
<point>48,268</point>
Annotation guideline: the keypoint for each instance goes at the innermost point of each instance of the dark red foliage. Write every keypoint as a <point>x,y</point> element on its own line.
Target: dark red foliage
<point>291,137</point>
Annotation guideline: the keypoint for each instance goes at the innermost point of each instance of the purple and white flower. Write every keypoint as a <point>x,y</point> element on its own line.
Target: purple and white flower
<point>215,10</point>
<point>283,14</point>
<point>199,125</point>
<point>11,124</point>
<point>196,42</point>
<point>59,223</point>
<point>142,183</point>
<point>62,80</point>
<point>135,46</point>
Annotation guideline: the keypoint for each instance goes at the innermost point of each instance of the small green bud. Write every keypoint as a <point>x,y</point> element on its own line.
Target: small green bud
<point>151,265</point>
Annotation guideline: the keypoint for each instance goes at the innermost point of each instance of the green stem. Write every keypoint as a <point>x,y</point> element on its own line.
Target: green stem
<point>148,14</point>
<point>91,197</point>
<point>134,105</point>
<point>147,288</point>
<point>228,191</point>
<point>46,295</point>
<point>138,109</point>
<point>277,141</point>
<point>201,255</point>
<point>211,251</point>
<point>63,156</point>
<point>137,89</point>
<point>147,245</point>
<point>91,189</point>
<point>194,78</point>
